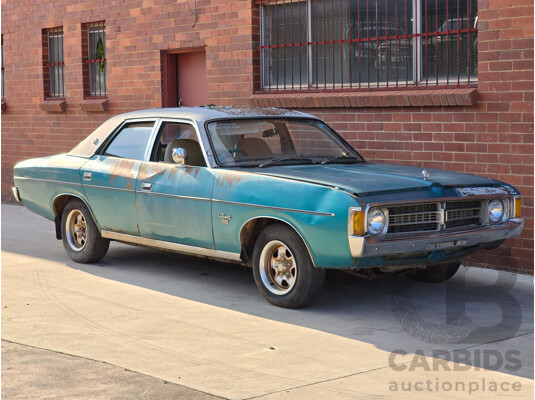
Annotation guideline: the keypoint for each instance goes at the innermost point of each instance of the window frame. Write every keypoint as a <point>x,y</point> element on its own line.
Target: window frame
<point>51,67</point>
<point>416,42</point>
<point>92,90</point>
<point>113,134</point>
<point>156,137</point>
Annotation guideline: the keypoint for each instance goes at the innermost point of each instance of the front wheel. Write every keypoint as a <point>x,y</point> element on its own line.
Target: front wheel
<point>283,270</point>
<point>435,273</point>
<point>81,238</point>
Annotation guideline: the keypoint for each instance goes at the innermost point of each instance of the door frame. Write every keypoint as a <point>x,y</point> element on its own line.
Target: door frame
<point>170,73</point>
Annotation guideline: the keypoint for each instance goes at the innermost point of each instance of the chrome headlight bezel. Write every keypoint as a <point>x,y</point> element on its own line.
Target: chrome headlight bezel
<point>380,217</point>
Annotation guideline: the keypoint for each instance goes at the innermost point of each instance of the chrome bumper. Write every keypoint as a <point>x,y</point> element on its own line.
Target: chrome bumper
<point>367,246</point>
<point>16,194</point>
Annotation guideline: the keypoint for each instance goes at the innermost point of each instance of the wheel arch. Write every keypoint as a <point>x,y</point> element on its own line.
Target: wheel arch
<point>58,204</point>
<point>252,228</point>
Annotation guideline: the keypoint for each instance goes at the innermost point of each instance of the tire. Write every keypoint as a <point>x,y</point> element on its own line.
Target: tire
<point>297,283</point>
<point>435,273</point>
<point>81,238</point>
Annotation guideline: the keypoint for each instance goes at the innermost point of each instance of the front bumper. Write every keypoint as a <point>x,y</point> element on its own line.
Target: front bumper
<point>367,246</point>
<point>16,194</point>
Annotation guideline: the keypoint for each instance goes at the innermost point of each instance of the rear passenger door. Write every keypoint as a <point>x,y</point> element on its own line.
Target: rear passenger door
<point>174,203</point>
<point>109,179</point>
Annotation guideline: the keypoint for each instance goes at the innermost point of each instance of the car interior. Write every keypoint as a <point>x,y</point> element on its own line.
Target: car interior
<point>178,135</point>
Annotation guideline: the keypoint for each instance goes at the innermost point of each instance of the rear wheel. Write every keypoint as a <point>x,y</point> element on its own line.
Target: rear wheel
<point>81,238</point>
<point>283,270</point>
<point>435,273</point>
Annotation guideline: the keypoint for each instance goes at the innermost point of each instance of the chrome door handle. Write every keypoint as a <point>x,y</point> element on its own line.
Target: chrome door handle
<point>87,176</point>
<point>146,186</point>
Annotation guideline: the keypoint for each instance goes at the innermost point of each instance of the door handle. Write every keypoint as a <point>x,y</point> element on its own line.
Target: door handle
<point>146,186</point>
<point>87,176</point>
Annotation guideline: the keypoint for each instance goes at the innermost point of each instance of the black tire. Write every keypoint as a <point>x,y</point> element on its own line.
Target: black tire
<point>297,283</point>
<point>435,273</point>
<point>81,238</point>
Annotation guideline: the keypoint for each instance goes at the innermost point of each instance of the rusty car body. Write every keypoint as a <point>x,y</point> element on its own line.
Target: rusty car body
<point>274,189</point>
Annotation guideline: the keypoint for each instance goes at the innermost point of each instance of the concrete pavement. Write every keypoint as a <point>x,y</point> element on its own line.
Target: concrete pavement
<point>32,373</point>
<point>203,325</point>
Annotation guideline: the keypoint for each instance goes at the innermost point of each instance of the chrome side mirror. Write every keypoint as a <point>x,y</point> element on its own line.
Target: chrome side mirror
<point>180,156</point>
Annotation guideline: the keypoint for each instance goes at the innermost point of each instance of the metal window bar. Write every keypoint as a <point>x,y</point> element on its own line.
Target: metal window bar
<point>96,60</point>
<point>55,63</point>
<point>367,44</point>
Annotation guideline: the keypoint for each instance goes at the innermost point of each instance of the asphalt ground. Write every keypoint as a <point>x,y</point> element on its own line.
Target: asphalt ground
<point>139,318</point>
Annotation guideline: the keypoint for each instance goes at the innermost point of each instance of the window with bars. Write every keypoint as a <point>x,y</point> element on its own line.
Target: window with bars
<point>53,63</point>
<point>367,44</point>
<point>95,66</point>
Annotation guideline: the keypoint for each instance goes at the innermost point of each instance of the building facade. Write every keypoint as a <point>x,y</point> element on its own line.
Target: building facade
<point>432,83</point>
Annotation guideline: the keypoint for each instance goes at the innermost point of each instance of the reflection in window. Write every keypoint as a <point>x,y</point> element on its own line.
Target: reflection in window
<point>131,142</point>
<point>360,44</point>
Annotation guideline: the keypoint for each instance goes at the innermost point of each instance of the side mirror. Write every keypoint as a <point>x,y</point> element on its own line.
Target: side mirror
<point>180,156</point>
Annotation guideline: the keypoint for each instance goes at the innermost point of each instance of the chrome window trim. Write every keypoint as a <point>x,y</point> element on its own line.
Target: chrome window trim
<point>161,244</point>
<point>178,121</point>
<point>111,137</point>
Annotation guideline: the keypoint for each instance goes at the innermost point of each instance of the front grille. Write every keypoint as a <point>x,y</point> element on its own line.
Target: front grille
<point>414,218</point>
<point>463,214</point>
<point>432,217</point>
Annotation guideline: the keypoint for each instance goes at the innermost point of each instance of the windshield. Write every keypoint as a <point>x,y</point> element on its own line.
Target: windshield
<point>264,142</point>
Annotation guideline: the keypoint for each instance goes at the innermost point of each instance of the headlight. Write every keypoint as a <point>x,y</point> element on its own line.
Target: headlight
<point>376,221</point>
<point>496,211</point>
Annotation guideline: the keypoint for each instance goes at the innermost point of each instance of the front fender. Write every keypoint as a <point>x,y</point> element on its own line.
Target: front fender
<point>319,214</point>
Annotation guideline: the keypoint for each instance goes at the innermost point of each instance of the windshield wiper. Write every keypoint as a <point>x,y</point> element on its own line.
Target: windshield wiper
<point>343,157</point>
<point>282,160</point>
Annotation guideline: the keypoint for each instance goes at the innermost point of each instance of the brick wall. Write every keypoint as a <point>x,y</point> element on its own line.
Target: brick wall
<point>492,138</point>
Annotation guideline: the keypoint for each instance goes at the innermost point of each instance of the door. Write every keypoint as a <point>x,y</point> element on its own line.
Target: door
<point>174,203</point>
<point>109,179</point>
<point>184,79</point>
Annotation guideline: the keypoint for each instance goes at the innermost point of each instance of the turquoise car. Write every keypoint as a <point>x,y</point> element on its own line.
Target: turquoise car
<point>273,189</point>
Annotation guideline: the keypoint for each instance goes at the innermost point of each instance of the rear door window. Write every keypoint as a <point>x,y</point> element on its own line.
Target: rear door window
<point>132,141</point>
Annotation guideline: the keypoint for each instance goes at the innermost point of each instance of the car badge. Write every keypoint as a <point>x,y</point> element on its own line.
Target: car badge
<point>425,174</point>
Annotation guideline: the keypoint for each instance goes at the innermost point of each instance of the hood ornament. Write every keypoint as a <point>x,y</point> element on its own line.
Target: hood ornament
<point>425,174</point>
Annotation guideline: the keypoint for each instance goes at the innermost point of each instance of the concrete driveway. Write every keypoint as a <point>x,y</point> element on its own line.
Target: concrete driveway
<point>202,324</point>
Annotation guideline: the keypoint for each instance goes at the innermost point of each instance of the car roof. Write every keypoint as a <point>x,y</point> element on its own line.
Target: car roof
<point>202,114</point>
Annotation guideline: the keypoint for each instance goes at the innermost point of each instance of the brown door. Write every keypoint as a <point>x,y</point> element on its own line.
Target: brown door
<point>184,79</point>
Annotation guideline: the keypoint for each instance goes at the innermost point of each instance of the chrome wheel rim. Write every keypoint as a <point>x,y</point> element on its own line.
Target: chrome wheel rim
<point>278,268</point>
<point>76,230</point>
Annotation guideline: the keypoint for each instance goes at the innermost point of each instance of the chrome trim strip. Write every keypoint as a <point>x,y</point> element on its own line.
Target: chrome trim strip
<point>440,199</point>
<point>174,195</point>
<point>108,188</point>
<point>366,246</point>
<point>16,194</point>
<point>161,244</point>
<point>47,180</point>
<point>274,208</point>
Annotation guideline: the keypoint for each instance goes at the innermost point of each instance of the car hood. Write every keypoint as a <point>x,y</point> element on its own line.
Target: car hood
<point>367,178</point>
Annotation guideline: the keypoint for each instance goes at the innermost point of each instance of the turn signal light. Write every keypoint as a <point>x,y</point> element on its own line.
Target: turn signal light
<point>518,207</point>
<point>358,223</point>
